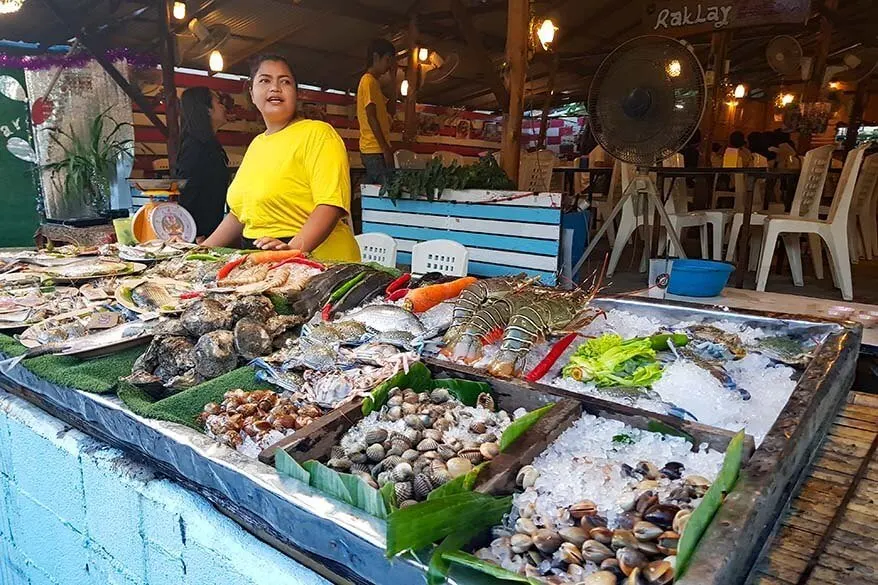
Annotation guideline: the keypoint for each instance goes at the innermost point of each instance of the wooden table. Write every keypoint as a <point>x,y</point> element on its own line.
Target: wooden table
<point>760,173</point>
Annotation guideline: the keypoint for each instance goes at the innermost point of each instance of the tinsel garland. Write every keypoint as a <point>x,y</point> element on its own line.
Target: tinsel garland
<point>79,59</point>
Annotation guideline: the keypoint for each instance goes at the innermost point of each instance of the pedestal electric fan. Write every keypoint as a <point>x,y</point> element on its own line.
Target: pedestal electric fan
<point>644,104</point>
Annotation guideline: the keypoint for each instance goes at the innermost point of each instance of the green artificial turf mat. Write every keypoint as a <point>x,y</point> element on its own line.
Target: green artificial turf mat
<point>184,408</point>
<point>10,346</point>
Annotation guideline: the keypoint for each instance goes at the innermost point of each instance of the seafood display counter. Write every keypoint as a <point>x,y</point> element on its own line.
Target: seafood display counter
<point>332,419</point>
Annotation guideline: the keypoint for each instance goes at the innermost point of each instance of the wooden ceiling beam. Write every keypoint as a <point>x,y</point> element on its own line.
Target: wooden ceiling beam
<point>268,41</point>
<point>486,64</point>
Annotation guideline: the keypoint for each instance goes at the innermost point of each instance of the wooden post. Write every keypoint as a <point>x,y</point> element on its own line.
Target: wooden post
<point>858,106</point>
<point>547,105</point>
<point>169,58</point>
<point>412,75</point>
<point>516,59</point>
<point>814,85</point>
<point>719,44</point>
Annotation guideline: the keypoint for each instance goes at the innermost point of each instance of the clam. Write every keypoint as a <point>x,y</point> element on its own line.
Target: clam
<point>647,469</point>
<point>440,395</point>
<point>680,521</point>
<point>520,543</point>
<point>394,413</point>
<point>574,534</point>
<point>376,436</point>
<point>406,504</point>
<point>375,452</point>
<point>459,466</point>
<point>661,515</point>
<point>410,396</point>
<point>575,573</point>
<point>569,553</point>
<point>446,452</point>
<point>683,493</point>
<point>659,573</point>
<point>602,534</point>
<point>645,501</point>
<point>402,472</point>
<point>426,420</point>
<point>526,526</point>
<point>473,455</point>
<point>427,445</point>
<point>649,548</point>
<point>628,519</point>
<point>358,457</point>
<point>623,538</point>
<point>527,476</point>
<point>595,552</point>
<point>644,530</point>
<point>413,435</point>
<point>422,486</point>
<point>434,434</point>
<point>630,559</point>
<point>596,521</point>
<point>667,542</point>
<point>547,541</point>
<point>612,565</point>
<point>636,577</point>
<point>395,400</point>
<point>478,428</point>
<point>583,508</point>
<point>699,484</point>
<point>414,421</point>
<point>672,470</point>
<point>408,408</point>
<point>599,578</point>
<point>486,401</point>
<point>403,490</point>
<point>489,450</point>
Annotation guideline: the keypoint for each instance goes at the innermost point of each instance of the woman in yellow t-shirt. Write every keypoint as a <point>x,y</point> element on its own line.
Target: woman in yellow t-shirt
<point>293,190</point>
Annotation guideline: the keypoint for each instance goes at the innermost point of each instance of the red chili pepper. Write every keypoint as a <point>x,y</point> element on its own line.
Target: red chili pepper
<point>228,267</point>
<point>543,367</point>
<point>398,283</point>
<point>326,312</point>
<point>304,261</point>
<point>191,295</point>
<point>397,294</point>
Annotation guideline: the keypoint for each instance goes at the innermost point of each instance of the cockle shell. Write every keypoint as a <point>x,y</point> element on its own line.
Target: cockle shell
<point>478,428</point>
<point>402,472</point>
<point>403,490</point>
<point>440,395</point>
<point>434,434</point>
<point>489,450</point>
<point>473,455</point>
<point>410,455</point>
<point>459,466</point>
<point>422,486</point>
<point>427,445</point>
<point>375,452</point>
<point>486,401</point>
<point>407,503</point>
<point>376,436</point>
<point>446,452</point>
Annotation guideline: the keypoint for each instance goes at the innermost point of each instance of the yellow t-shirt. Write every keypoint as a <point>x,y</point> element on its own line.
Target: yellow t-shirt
<point>284,176</point>
<point>369,92</point>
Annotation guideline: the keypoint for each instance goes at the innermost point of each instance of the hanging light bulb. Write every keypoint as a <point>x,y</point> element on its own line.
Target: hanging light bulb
<point>10,6</point>
<point>740,91</point>
<point>179,10</point>
<point>674,68</point>
<point>546,33</point>
<point>404,87</point>
<point>786,99</point>
<point>423,54</point>
<point>216,61</point>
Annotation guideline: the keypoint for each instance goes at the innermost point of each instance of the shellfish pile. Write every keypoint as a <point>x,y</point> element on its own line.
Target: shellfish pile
<point>251,421</point>
<point>607,518</point>
<point>420,441</point>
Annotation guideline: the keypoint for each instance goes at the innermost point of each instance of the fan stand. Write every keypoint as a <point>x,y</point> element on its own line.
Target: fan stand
<point>642,188</point>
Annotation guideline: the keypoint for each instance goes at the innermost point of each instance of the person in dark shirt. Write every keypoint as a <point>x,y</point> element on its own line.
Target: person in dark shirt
<point>202,160</point>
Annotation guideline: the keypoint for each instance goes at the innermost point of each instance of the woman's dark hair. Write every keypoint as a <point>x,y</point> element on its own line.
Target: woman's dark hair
<point>195,106</point>
<point>736,139</point>
<point>380,47</point>
<point>260,59</point>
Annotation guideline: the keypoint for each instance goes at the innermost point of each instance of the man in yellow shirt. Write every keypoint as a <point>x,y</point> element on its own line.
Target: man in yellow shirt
<point>374,111</point>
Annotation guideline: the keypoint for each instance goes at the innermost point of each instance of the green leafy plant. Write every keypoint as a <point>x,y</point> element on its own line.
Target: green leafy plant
<point>429,182</point>
<point>89,162</point>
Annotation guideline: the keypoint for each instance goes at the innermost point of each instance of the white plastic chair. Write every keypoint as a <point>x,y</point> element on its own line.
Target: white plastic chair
<point>806,204</point>
<point>677,208</point>
<point>535,171</point>
<point>445,256</point>
<point>833,231</point>
<point>862,225</point>
<point>447,157</point>
<point>377,247</point>
<point>406,159</point>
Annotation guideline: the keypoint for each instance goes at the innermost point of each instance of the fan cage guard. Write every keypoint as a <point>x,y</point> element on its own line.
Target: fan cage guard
<point>677,99</point>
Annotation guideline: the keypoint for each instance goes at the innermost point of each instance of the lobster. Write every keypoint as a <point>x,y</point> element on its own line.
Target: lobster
<point>476,295</point>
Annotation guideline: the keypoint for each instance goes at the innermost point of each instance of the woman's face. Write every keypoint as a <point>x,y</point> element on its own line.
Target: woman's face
<point>274,92</point>
<point>217,111</point>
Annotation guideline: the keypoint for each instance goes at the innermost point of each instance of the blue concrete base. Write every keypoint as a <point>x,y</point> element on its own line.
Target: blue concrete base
<point>74,511</point>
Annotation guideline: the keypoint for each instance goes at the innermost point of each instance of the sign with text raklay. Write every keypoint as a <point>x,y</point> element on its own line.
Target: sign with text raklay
<point>688,17</point>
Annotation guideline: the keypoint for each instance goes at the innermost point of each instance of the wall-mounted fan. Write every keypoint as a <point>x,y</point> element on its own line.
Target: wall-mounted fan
<point>858,65</point>
<point>785,56</point>
<point>439,68</point>
<point>645,103</point>
<point>207,39</point>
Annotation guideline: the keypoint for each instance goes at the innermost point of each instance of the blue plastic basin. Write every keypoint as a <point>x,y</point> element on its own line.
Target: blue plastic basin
<point>699,278</point>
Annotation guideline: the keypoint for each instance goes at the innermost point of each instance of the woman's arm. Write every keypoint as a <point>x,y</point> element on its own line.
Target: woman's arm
<point>227,233</point>
<point>317,228</point>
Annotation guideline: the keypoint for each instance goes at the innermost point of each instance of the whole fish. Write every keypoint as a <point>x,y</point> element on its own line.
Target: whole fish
<point>384,318</point>
<point>152,296</point>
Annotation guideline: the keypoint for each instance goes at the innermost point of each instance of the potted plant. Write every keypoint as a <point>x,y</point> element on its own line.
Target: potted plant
<point>89,163</point>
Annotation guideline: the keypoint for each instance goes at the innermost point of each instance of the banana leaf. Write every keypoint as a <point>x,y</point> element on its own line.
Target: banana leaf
<point>713,500</point>
<point>437,570</point>
<point>423,524</point>
<point>418,378</point>
<point>458,485</point>
<point>290,467</point>
<point>328,481</point>
<point>389,496</point>
<point>520,426</point>
<point>365,497</point>
<point>665,429</point>
<point>467,391</point>
<point>468,560</point>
